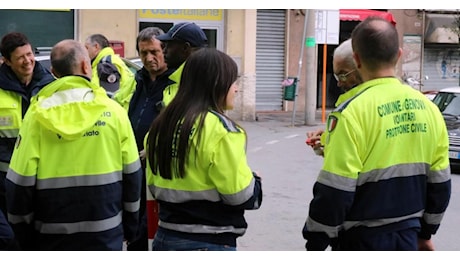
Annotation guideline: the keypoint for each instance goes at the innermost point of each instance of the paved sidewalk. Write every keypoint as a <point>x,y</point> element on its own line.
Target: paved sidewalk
<point>286,117</point>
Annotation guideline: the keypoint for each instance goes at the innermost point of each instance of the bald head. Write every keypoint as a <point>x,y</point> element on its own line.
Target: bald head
<point>376,42</point>
<point>70,57</point>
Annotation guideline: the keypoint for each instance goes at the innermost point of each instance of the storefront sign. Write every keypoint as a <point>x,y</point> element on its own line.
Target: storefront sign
<point>182,14</point>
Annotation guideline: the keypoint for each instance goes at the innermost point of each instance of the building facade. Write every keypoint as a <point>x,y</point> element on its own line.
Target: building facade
<point>265,43</point>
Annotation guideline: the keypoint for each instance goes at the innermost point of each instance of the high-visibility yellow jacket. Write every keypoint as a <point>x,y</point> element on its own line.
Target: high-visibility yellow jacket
<point>127,80</point>
<point>386,164</point>
<point>209,202</point>
<point>74,180</point>
<point>342,98</point>
<point>170,91</point>
<point>14,102</point>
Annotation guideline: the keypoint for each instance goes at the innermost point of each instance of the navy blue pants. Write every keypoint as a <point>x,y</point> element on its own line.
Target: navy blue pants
<point>402,240</point>
<point>167,241</point>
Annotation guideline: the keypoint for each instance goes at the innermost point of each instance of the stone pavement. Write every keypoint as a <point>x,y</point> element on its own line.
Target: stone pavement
<point>287,117</point>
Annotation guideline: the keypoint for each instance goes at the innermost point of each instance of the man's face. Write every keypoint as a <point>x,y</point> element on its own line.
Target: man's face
<point>347,75</point>
<point>93,49</point>
<point>174,52</point>
<point>22,61</point>
<point>151,54</point>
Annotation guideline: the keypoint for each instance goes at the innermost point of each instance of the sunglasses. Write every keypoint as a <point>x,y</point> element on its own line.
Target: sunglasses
<point>343,77</point>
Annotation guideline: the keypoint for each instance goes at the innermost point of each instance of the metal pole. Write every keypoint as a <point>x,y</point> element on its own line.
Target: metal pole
<point>300,66</point>
<point>422,51</point>
<point>324,85</point>
<point>310,82</point>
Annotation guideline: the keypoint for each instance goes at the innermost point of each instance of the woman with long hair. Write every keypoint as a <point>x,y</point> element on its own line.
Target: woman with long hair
<point>197,168</point>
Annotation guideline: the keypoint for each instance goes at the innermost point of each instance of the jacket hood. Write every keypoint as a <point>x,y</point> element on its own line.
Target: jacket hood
<point>104,52</point>
<point>69,106</point>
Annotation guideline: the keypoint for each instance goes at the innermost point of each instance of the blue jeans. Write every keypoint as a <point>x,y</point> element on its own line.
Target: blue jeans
<point>168,242</point>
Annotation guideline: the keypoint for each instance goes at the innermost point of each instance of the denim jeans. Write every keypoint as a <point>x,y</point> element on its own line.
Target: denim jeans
<point>169,242</point>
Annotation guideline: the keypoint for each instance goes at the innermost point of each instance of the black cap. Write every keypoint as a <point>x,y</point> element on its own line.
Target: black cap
<point>109,77</point>
<point>189,32</point>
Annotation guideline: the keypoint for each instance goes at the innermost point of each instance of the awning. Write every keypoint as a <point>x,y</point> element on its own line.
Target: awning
<point>361,14</point>
<point>438,28</point>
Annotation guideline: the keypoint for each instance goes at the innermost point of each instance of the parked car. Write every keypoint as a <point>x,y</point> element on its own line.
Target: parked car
<point>430,94</point>
<point>448,101</point>
<point>134,64</point>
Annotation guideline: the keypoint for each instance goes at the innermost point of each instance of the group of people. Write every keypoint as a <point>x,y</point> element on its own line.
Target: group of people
<point>77,161</point>
<point>80,142</point>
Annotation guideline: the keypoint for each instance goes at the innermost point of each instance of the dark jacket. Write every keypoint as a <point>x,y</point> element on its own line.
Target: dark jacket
<point>7,241</point>
<point>146,103</point>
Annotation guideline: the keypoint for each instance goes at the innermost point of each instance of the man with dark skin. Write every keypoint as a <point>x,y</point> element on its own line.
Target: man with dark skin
<point>180,42</point>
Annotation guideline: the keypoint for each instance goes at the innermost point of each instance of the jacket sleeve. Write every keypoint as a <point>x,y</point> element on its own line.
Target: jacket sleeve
<point>132,181</point>
<point>20,184</point>
<point>438,187</point>
<point>334,190</point>
<point>230,172</point>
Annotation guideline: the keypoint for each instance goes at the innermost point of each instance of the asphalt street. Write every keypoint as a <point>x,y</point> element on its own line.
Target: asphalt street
<point>277,151</point>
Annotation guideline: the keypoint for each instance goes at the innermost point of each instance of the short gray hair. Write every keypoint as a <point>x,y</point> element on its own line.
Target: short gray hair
<point>148,34</point>
<point>345,51</point>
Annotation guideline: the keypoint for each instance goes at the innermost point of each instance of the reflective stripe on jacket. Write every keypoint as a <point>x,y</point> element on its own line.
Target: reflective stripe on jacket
<point>218,186</point>
<point>386,163</point>
<point>74,180</point>
<point>14,102</point>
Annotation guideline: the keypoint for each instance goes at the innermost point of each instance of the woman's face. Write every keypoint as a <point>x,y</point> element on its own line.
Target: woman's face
<point>230,100</point>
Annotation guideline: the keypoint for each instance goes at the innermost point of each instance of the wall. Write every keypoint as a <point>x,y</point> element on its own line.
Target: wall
<point>114,24</point>
<point>240,43</point>
<point>408,23</point>
<point>296,21</point>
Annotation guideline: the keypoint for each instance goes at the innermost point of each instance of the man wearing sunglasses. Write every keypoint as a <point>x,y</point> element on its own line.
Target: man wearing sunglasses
<point>347,78</point>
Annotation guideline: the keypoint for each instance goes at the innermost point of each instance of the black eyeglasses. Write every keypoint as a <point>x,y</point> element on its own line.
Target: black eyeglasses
<point>343,77</point>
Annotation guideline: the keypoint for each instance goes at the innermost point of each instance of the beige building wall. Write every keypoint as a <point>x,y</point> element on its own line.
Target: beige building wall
<point>295,28</point>
<point>115,24</point>
<point>240,43</point>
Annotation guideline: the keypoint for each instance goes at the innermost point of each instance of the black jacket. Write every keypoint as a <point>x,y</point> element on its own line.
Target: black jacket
<point>146,101</point>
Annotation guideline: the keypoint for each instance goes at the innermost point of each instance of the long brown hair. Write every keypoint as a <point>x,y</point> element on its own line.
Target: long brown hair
<point>206,79</point>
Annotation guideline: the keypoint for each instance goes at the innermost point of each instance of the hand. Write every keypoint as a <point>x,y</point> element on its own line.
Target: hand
<point>315,134</point>
<point>425,245</point>
<point>313,140</point>
<point>142,154</point>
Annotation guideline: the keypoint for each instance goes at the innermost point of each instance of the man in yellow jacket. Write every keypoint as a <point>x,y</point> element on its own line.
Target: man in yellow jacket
<point>180,42</point>
<point>21,77</point>
<point>385,182</point>
<point>348,78</point>
<point>74,180</point>
<point>109,70</point>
